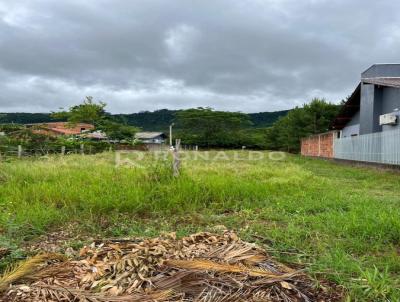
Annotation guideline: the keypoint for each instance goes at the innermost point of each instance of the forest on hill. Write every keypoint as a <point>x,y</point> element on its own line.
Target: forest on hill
<point>157,120</point>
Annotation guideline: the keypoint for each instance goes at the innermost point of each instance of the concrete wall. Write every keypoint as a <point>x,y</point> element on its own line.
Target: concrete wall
<point>352,127</point>
<point>320,145</point>
<point>391,104</point>
<point>390,99</point>
<point>370,108</point>
<point>351,130</point>
<point>375,101</point>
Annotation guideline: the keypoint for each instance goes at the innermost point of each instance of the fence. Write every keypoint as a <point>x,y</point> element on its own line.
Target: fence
<point>21,151</point>
<point>380,147</point>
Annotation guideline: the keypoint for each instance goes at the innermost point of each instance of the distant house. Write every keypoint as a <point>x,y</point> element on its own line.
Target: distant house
<point>368,126</point>
<point>59,128</point>
<point>151,137</point>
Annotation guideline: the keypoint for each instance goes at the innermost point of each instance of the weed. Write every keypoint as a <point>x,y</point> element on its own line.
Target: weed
<point>339,222</point>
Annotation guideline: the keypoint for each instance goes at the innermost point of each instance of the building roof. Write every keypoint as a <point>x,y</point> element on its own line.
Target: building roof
<point>383,81</point>
<point>63,128</point>
<point>65,131</point>
<point>149,135</point>
<point>382,70</point>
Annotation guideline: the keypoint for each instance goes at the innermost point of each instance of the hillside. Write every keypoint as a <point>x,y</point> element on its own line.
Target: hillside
<point>25,118</point>
<point>157,120</point>
<point>160,119</point>
<point>266,119</point>
<point>147,120</point>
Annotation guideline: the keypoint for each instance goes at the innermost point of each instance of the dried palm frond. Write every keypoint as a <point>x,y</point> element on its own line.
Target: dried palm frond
<point>202,267</point>
<point>207,265</point>
<point>73,294</point>
<point>25,268</point>
<point>214,295</point>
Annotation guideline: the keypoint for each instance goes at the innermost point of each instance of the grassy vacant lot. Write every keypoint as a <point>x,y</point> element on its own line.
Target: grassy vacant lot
<point>340,223</point>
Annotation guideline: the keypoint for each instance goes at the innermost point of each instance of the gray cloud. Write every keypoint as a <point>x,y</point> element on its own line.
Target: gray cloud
<point>248,55</point>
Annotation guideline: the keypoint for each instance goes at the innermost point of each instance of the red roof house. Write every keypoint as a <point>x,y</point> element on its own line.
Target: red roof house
<point>60,128</point>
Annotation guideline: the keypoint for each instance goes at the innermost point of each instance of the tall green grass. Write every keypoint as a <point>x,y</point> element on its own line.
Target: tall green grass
<point>339,222</point>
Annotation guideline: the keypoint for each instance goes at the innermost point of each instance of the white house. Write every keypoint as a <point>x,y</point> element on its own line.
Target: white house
<point>151,137</point>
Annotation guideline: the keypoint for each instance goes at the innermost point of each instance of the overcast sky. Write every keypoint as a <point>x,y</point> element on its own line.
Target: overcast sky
<point>237,55</point>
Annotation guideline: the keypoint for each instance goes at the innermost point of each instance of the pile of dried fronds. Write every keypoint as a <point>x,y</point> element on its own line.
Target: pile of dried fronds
<point>201,267</point>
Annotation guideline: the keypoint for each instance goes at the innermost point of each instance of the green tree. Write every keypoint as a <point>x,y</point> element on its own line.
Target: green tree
<point>209,128</point>
<point>116,130</point>
<point>315,117</point>
<point>94,113</point>
<point>87,112</point>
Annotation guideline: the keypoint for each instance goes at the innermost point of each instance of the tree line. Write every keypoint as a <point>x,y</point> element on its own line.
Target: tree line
<point>210,128</point>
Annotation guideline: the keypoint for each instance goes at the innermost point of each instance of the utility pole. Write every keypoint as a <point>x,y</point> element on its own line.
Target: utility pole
<point>170,134</point>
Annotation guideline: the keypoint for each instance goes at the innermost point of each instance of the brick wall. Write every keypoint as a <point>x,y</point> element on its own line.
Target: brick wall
<point>320,145</point>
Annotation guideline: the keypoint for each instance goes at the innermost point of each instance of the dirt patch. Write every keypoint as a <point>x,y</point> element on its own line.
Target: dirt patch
<point>200,267</point>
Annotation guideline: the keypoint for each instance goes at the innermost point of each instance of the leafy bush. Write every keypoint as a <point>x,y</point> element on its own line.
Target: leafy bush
<point>313,118</point>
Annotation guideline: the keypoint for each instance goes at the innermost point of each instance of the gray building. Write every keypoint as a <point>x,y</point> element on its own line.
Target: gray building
<point>151,137</point>
<point>369,122</point>
<point>374,106</point>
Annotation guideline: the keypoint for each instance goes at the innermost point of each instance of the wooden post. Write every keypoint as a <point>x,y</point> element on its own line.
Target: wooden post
<point>63,150</point>
<point>176,164</point>
<point>82,149</point>
<point>19,151</point>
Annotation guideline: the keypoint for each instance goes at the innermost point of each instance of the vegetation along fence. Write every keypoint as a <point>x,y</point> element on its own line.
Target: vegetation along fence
<point>380,147</point>
<point>29,151</point>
